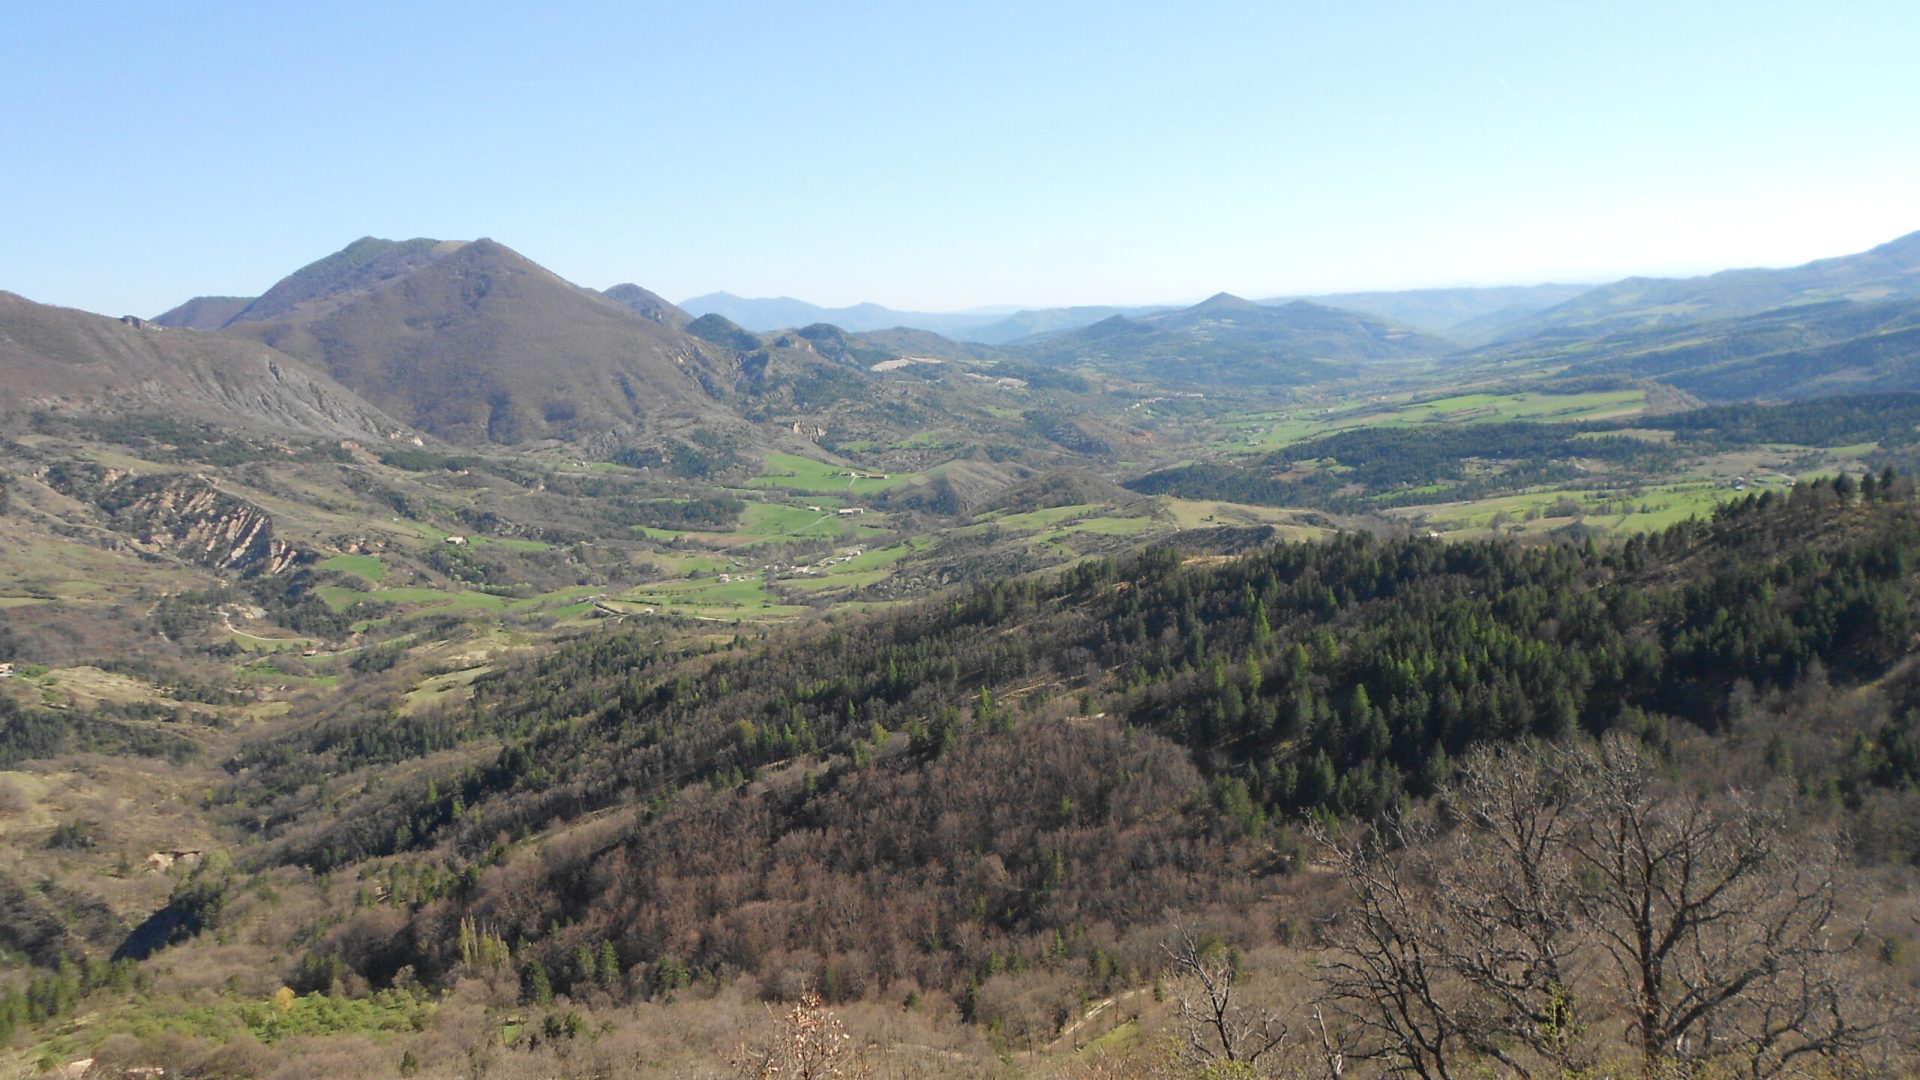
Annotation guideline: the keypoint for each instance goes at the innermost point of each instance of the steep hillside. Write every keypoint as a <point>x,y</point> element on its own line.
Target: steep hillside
<point>1888,272</point>
<point>204,312</point>
<point>1228,341</point>
<point>477,344</point>
<point>68,361</point>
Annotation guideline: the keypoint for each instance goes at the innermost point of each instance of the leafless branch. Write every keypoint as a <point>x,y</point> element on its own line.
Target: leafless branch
<point>1214,1024</point>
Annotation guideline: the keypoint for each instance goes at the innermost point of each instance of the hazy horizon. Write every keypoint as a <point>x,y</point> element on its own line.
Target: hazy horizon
<point>944,161</point>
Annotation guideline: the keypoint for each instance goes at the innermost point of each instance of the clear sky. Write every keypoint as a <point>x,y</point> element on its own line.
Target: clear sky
<point>1023,153</point>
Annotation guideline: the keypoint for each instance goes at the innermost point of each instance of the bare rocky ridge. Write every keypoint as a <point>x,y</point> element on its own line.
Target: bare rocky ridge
<point>194,521</point>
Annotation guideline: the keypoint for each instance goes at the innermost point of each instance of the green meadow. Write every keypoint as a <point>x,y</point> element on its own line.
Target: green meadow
<point>794,473</point>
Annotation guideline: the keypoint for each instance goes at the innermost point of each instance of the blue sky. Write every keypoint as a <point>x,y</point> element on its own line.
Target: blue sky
<point>939,159</point>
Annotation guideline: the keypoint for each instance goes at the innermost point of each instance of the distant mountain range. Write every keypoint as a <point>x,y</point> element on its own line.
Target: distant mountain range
<point>1888,272</point>
<point>1455,313</point>
<point>1433,310</point>
<point>1799,351</point>
<point>473,343</point>
<point>786,313</point>
<point>1227,340</point>
<point>1467,316</point>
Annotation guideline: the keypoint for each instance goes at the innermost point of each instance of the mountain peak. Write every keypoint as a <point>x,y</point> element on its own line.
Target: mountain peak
<point>601,364</point>
<point>1225,301</point>
<point>722,331</point>
<point>359,266</point>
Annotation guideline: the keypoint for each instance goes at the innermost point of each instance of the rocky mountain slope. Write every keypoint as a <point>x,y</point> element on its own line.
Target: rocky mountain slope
<point>72,362</point>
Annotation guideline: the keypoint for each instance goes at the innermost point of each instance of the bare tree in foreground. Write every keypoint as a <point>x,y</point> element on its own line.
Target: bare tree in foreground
<point>1722,930</point>
<point>1462,945</point>
<point>808,1043</point>
<point>1573,888</point>
<point>1217,1027</point>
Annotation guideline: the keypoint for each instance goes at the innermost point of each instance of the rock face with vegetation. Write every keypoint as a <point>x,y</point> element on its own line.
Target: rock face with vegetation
<point>184,516</point>
<point>197,522</point>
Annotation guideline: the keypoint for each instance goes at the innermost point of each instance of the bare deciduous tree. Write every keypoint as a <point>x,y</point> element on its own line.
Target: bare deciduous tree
<point>1720,927</point>
<point>1386,976</point>
<point>808,1043</point>
<point>1557,886</point>
<point>1214,1023</point>
<point>1463,943</point>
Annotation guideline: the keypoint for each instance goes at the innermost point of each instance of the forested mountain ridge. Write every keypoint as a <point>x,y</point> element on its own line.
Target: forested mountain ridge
<point>1340,678</point>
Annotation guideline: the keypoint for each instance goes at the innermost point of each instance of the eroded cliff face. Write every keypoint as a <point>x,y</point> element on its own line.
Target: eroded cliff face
<point>182,515</point>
